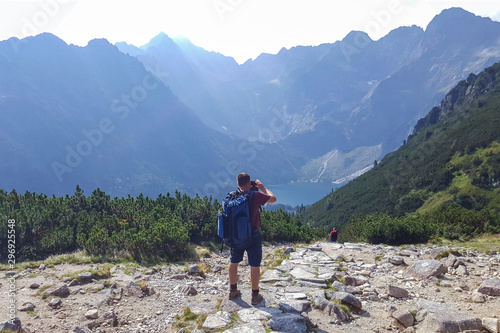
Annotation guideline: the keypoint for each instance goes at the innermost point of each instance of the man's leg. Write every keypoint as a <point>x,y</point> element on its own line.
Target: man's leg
<point>236,257</point>
<point>255,277</point>
<point>233,273</point>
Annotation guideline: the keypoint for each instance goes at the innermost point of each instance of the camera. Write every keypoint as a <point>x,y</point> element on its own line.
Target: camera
<point>254,186</point>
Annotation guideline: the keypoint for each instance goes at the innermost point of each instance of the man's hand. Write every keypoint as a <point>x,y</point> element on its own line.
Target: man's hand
<point>261,187</point>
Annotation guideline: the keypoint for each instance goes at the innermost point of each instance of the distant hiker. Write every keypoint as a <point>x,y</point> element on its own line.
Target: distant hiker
<point>254,250</point>
<point>333,235</point>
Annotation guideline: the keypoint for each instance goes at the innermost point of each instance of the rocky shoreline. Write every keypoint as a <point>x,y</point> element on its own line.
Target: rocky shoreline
<point>324,287</point>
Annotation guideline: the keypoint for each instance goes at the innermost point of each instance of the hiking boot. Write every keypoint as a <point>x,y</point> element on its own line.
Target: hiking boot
<point>234,293</point>
<point>256,299</point>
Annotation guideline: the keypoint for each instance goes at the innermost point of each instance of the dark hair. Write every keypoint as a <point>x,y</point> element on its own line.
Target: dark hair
<point>242,179</point>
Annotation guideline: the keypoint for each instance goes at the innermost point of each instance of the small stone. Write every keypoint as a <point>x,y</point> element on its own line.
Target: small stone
<point>92,314</point>
<point>404,317</point>
<point>396,292</point>
<point>27,307</point>
<point>478,298</point>
<point>55,303</point>
<point>34,286</point>
<point>85,277</point>
<point>193,269</point>
<point>189,290</point>
<point>59,291</point>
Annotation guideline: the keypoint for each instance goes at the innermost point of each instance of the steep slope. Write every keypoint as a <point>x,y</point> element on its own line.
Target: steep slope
<point>451,158</point>
<point>96,117</point>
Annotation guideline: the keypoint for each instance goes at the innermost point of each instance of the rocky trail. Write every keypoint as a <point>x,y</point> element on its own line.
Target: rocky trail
<point>324,287</point>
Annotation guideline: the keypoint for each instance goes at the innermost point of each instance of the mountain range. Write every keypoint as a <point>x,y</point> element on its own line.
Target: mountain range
<point>451,160</point>
<point>170,115</point>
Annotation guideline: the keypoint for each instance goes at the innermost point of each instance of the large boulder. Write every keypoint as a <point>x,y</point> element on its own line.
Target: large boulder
<point>436,317</point>
<point>424,269</point>
<point>490,287</point>
<point>58,290</point>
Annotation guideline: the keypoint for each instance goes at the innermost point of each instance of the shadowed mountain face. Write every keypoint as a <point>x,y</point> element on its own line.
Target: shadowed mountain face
<point>94,116</point>
<point>333,98</point>
<point>170,115</point>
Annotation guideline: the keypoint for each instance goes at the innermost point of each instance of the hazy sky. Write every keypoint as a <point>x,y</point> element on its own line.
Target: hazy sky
<point>242,29</point>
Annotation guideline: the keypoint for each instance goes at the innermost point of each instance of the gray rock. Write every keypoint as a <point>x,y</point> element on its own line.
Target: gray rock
<point>313,285</point>
<point>34,286</point>
<point>217,268</point>
<point>287,251</point>
<point>189,290</point>
<point>332,309</point>
<point>462,271</point>
<point>248,315</point>
<point>288,322</point>
<point>299,273</point>
<point>83,329</point>
<point>200,308</point>
<point>58,290</point>
<point>217,321</point>
<point>404,317</point>
<point>273,275</point>
<point>42,267</point>
<point>55,303</point>
<point>408,253</point>
<point>133,289</point>
<point>396,260</point>
<point>92,314</point>
<point>254,326</point>
<point>450,261</point>
<point>354,281</point>
<point>491,324</point>
<point>193,269</point>
<point>424,269</point>
<point>436,317</point>
<point>347,298</point>
<point>478,298</point>
<point>437,251</point>
<point>13,325</point>
<point>27,307</point>
<point>294,306</point>
<point>490,287</point>
<point>339,286</point>
<point>85,277</point>
<point>396,292</point>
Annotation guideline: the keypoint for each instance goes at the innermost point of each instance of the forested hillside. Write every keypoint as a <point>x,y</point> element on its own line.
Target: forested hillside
<point>139,228</point>
<point>447,174</point>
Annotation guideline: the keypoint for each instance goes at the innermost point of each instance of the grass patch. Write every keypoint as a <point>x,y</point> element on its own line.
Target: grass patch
<point>484,243</point>
<point>187,318</point>
<point>202,252</point>
<point>41,292</point>
<point>31,314</point>
<point>103,272</point>
<point>442,255</point>
<point>75,258</point>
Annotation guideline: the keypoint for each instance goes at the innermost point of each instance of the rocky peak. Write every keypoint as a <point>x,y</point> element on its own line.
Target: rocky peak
<point>464,92</point>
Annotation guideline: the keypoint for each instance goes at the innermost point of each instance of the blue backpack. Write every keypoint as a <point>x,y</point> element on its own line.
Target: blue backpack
<point>234,226</point>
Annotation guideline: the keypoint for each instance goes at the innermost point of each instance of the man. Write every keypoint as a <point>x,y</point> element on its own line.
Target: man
<point>333,235</point>
<point>254,252</point>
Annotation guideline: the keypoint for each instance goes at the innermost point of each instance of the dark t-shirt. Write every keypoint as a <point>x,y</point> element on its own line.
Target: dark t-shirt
<point>258,199</point>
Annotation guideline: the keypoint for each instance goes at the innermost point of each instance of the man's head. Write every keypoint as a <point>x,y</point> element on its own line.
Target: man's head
<point>243,180</point>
